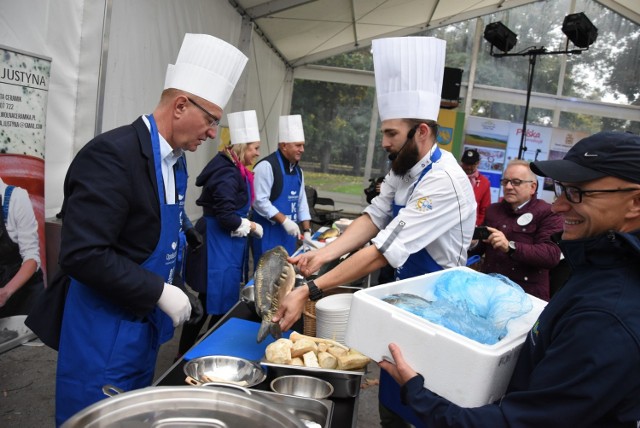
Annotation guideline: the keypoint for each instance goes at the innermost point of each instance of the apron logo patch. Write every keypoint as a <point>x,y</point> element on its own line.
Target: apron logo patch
<point>424,204</point>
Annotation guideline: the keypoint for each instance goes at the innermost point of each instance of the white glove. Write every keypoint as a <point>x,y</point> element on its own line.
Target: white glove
<point>175,303</point>
<point>291,227</point>
<point>257,232</point>
<point>307,238</point>
<point>242,230</point>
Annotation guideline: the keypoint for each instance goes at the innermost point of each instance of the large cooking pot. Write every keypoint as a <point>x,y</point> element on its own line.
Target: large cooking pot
<point>180,406</point>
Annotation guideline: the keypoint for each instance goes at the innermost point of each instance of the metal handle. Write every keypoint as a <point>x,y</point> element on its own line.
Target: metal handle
<point>228,385</point>
<point>192,381</point>
<point>111,390</point>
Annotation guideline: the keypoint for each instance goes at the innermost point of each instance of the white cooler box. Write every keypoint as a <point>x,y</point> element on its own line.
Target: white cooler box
<point>455,367</point>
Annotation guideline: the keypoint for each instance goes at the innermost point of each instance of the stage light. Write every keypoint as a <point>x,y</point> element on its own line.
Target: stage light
<point>500,36</point>
<point>579,30</point>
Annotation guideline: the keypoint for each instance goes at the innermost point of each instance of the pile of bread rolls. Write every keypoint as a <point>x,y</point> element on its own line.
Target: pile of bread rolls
<point>307,351</point>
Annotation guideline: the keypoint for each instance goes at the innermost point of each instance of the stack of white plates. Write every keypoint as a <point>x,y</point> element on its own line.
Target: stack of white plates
<point>332,315</point>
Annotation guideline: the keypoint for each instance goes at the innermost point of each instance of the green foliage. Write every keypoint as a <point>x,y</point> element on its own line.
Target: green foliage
<point>334,182</point>
<point>336,118</point>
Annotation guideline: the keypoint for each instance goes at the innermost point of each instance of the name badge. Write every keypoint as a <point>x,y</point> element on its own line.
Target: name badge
<point>524,219</point>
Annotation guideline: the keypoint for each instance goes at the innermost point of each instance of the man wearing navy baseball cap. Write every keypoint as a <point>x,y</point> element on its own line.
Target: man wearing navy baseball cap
<point>580,364</point>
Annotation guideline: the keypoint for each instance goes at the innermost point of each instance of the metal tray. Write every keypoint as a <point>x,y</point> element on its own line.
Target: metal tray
<point>346,383</point>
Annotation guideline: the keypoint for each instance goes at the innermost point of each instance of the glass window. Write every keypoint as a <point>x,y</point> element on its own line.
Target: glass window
<point>608,70</point>
<point>336,125</point>
<point>337,116</point>
<point>592,124</point>
<point>510,112</point>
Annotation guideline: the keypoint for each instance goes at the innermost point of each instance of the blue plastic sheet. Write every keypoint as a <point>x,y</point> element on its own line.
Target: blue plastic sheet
<point>473,304</point>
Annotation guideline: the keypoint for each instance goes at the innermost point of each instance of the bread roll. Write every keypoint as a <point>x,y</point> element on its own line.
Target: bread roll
<point>279,352</point>
<point>302,346</point>
<point>310,359</point>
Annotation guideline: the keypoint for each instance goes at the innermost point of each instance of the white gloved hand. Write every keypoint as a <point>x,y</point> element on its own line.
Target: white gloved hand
<point>242,230</point>
<point>175,303</point>
<point>257,232</point>
<point>307,238</point>
<point>291,227</point>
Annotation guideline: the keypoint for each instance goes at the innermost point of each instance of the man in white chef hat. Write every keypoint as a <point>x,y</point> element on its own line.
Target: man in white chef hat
<point>123,208</point>
<point>281,203</point>
<point>424,217</point>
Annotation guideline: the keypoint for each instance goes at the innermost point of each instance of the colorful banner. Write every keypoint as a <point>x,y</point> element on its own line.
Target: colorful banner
<point>489,137</point>
<point>24,85</point>
<point>450,130</point>
<point>561,141</point>
<point>535,147</point>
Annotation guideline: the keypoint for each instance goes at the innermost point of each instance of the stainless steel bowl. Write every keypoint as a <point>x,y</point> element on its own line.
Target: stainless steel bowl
<point>302,386</point>
<point>247,294</point>
<point>184,406</point>
<point>225,369</point>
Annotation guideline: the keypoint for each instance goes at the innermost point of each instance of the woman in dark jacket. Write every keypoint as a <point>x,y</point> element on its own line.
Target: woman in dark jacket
<point>215,270</point>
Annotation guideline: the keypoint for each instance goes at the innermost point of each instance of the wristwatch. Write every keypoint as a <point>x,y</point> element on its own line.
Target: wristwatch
<point>512,248</point>
<point>314,292</point>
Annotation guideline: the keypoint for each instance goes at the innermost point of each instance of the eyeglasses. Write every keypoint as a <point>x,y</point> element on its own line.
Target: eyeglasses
<point>214,120</point>
<point>515,182</point>
<point>574,194</point>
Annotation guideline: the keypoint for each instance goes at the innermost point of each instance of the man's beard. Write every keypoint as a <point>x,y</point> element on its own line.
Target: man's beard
<point>406,159</point>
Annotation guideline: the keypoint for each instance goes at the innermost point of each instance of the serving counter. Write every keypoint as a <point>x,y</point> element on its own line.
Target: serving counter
<point>345,410</point>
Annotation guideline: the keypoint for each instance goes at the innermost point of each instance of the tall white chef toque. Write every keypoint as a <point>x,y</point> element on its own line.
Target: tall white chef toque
<point>290,129</point>
<point>243,127</point>
<point>206,67</point>
<point>409,73</point>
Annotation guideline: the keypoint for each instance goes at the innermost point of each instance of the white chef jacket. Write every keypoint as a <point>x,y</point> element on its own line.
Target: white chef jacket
<point>21,223</point>
<point>438,215</point>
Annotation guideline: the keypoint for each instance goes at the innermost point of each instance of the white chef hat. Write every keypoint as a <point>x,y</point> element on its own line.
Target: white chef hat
<point>409,72</point>
<point>207,67</point>
<point>290,129</point>
<point>243,127</point>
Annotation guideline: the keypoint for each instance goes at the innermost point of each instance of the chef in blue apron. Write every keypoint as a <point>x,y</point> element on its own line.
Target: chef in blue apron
<point>424,217</point>
<point>281,203</point>
<point>124,202</point>
<point>216,271</point>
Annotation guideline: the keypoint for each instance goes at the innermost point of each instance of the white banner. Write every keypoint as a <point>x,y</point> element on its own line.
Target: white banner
<point>24,86</point>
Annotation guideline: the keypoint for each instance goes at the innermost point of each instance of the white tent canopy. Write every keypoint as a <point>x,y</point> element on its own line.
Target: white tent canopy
<point>109,57</point>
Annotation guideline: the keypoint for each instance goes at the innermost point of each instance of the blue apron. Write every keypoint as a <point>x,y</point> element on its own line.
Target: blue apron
<point>102,343</point>
<point>225,261</point>
<point>287,204</point>
<point>417,264</point>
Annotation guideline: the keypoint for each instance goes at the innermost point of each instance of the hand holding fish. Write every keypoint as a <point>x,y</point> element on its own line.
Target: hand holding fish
<point>401,372</point>
<point>309,262</point>
<point>290,309</point>
<point>274,279</point>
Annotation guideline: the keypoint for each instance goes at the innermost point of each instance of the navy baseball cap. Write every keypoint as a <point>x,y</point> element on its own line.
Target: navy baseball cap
<point>615,154</point>
<point>470,157</point>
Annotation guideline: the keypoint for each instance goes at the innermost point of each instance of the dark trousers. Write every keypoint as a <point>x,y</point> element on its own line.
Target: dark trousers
<point>191,332</point>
